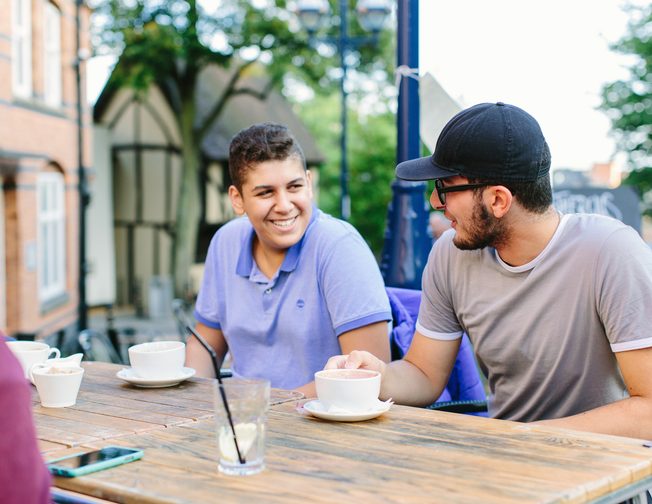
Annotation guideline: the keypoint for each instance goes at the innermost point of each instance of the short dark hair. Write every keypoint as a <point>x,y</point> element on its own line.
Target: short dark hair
<point>257,144</point>
<point>535,196</point>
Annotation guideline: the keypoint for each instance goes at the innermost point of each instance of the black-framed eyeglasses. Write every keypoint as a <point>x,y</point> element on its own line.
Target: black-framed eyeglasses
<point>442,189</point>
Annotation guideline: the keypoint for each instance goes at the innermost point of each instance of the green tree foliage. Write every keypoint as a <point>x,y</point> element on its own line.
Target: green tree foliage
<point>372,158</point>
<point>169,42</point>
<point>371,135</point>
<point>321,117</point>
<point>628,103</point>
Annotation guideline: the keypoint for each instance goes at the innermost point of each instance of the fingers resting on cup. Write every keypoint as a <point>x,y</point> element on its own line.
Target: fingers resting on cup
<point>358,359</point>
<point>336,362</point>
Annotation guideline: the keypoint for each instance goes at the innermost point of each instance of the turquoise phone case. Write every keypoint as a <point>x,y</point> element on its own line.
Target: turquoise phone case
<point>70,472</point>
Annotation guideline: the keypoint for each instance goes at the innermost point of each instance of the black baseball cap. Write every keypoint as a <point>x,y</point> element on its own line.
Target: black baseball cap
<point>494,141</point>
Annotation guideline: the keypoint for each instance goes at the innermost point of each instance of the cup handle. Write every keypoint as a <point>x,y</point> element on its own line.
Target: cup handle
<point>56,351</point>
<point>37,365</point>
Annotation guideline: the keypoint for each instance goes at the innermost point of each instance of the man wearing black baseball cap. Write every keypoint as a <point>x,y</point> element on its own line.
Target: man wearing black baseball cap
<point>557,306</point>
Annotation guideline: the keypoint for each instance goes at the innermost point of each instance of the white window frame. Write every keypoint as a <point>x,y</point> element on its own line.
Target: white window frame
<point>21,47</point>
<point>51,235</point>
<point>51,55</point>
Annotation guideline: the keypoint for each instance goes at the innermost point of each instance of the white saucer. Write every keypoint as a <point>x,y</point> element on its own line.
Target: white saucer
<point>128,375</point>
<point>315,408</point>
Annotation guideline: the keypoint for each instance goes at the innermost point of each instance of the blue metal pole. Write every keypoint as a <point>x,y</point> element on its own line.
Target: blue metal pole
<point>407,241</point>
<point>345,201</point>
<point>409,143</point>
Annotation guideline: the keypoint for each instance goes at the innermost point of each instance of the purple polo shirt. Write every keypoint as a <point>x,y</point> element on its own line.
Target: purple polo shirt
<point>286,328</point>
<point>24,479</point>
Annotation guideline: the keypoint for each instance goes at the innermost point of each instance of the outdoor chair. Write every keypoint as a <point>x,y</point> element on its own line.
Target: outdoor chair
<point>98,347</point>
<point>464,392</point>
<point>180,310</point>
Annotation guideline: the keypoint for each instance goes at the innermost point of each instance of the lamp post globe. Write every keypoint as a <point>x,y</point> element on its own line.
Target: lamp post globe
<point>312,13</point>
<point>372,14</point>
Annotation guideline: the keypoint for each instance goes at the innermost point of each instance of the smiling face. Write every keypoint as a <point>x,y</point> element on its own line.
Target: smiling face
<point>276,195</point>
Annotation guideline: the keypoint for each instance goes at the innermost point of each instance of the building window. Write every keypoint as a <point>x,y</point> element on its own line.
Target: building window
<point>218,205</point>
<point>52,60</point>
<point>51,236</point>
<point>21,48</point>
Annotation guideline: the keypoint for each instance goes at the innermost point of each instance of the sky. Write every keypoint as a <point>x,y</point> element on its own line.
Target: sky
<point>550,58</point>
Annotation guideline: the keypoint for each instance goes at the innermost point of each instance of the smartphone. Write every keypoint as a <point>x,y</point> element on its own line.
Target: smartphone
<point>88,462</point>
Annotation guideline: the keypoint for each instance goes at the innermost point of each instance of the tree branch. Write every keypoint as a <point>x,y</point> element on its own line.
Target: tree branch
<point>261,95</point>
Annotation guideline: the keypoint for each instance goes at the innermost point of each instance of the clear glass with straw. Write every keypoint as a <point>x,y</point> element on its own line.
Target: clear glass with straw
<point>241,415</point>
<point>248,401</point>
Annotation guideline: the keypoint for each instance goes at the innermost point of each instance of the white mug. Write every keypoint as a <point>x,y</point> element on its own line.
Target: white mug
<point>29,353</point>
<point>158,360</point>
<point>57,387</point>
<point>353,390</point>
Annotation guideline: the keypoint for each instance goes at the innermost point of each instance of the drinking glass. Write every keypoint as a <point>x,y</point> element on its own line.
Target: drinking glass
<point>247,402</point>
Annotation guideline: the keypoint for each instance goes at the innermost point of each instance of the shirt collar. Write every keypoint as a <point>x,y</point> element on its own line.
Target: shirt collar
<point>246,259</point>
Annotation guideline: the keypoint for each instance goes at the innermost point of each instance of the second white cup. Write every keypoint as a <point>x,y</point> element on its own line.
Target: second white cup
<point>158,360</point>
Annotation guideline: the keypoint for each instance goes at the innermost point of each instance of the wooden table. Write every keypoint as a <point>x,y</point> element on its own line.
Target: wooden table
<point>108,408</point>
<point>406,455</point>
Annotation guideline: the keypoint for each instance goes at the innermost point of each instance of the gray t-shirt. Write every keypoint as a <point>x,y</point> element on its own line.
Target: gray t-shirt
<point>545,333</point>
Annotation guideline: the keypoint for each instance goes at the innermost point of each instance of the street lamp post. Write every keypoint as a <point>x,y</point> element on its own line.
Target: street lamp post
<point>371,16</point>
<point>407,242</point>
<point>82,307</point>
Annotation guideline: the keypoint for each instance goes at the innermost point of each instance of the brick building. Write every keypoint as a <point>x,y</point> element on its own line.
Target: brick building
<point>39,153</point>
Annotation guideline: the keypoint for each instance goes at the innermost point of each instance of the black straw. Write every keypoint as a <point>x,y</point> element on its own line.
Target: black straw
<point>216,367</point>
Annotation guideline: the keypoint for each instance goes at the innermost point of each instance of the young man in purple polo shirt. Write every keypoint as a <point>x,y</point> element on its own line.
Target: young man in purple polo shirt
<point>286,286</point>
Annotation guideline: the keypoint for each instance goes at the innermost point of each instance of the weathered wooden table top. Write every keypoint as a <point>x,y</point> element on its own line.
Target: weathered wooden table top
<point>406,455</point>
<point>109,408</point>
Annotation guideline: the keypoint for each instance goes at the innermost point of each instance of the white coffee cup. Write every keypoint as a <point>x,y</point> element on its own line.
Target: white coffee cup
<point>158,360</point>
<point>352,390</point>
<point>29,353</point>
<point>57,387</point>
